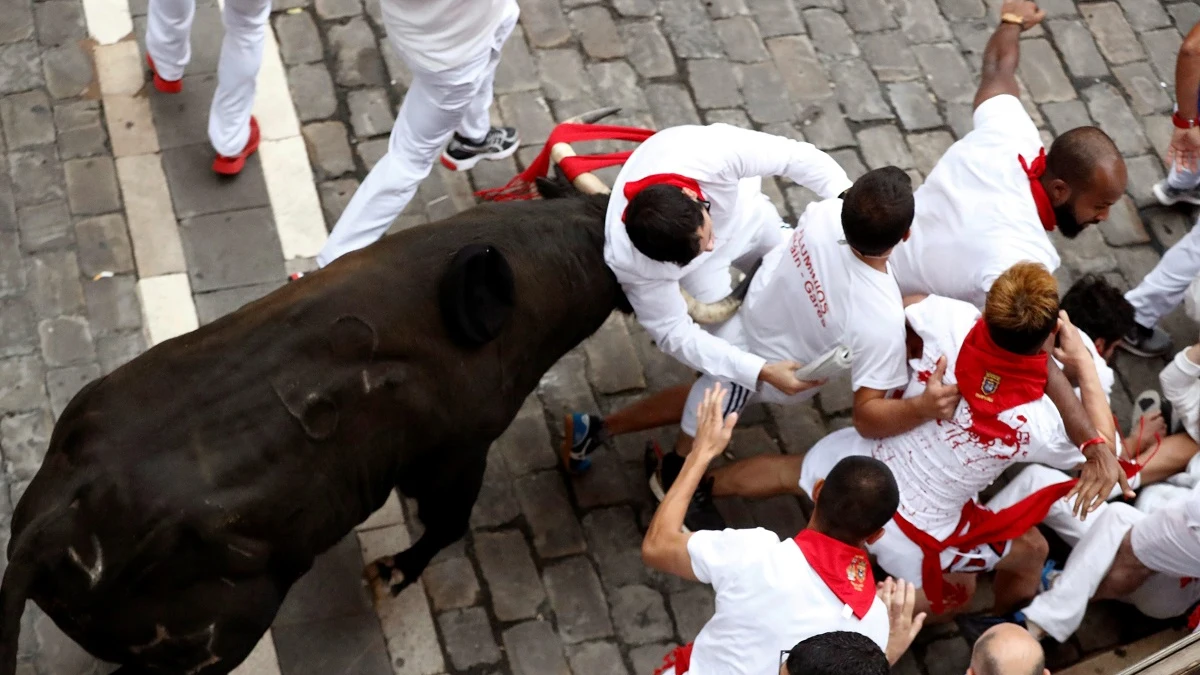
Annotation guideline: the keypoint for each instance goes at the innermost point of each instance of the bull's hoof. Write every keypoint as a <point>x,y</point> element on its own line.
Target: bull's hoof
<point>385,579</point>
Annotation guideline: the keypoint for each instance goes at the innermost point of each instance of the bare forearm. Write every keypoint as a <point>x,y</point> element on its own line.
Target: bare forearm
<point>1187,76</point>
<point>665,536</point>
<point>883,417</point>
<point>1002,54</point>
<point>1076,421</point>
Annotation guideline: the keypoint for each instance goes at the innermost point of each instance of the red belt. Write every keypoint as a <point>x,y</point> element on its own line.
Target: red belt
<point>680,658</point>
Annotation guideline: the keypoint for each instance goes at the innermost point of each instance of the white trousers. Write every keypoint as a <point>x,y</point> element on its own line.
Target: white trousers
<point>168,40</point>
<point>437,105</point>
<point>1162,289</point>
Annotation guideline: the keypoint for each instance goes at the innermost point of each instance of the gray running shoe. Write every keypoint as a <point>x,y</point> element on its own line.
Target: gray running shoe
<point>461,154</point>
<point>1147,341</point>
<point>1169,196</point>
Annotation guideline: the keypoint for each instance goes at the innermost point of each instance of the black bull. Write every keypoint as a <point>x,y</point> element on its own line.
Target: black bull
<point>183,494</point>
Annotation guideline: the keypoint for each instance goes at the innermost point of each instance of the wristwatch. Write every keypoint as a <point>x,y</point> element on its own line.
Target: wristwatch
<point>1009,17</point>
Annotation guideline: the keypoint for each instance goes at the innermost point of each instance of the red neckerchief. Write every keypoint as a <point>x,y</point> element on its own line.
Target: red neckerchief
<point>993,380</point>
<point>633,187</point>
<point>843,568</point>
<point>679,658</point>
<point>1040,198</point>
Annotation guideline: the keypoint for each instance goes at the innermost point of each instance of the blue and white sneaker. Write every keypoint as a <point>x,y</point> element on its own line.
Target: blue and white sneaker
<point>582,434</point>
<point>1050,574</point>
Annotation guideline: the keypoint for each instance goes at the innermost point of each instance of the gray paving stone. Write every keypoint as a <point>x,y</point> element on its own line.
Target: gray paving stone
<point>914,104</point>
<point>497,505</point>
<point>350,644</point>
<point>647,49</point>
<point>64,383</point>
<point>507,567</point>
<point>516,70</point>
<point>648,658</point>
<point>27,118</point>
<point>1143,173</point>
<point>451,584</point>
<point>338,9</point>
<point>858,91</point>
<point>945,657</point>
<point>890,56</point>
<point>544,502</point>
<point>113,305</point>
<point>671,105</point>
<point>973,36</point>
<point>1066,116</point>
<point>468,637</point>
<point>921,21</point>
<point>328,148</point>
<point>1143,87</point>
<point>690,31</point>
<point>530,108</point>
<point>963,10</point>
<point>24,439</point>
<point>597,32</point>
<point>1108,108</point>
<point>544,22</point>
<point>66,71</point>
<point>37,176</point>
<point>635,7</point>
<point>884,146</point>
<point>1043,73</point>
<point>374,10</point>
<point>946,72</point>
<point>1168,227</point>
<point>213,305</point>
<point>81,132</point>
<point>580,609</point>
<point>1186,15</point>
<point>182,119</point>
<point>1078,48</point>
<point>91,185</point>
<point>714,83</point>
<point>723,9</point>
<point>1087,253</point>
<point>639,615</point>
<point>332,588</point>
<point>16,21</point>
<point>12,267</point>
<point>615,544</point>
<point>17,328</point>
<point>596,658</point>
<point>692,608</point>
<point>370,112</point>
<point>1113,34</point>
<point>20,64</point>
<point>564,387</point>
<point>356,55</point>
<point>8,206</point>
<point>612,358</point>
<point>22,386</point>
<point>1124,226</point>
<point>298,38</point>
<point>1146,14</point>
<point>1163,47</point>
<point>312,90</point>
<point>54,284</point>
<point>59,22</point>
<point>776,18</point>
<point>234,248</point>
<point>824,125</point>
<point>533,649</point>
<point>616,84</point>
<point>831,35</point>
<point>335,195</point>
<point>66,340</point>
<point>525,445</point>
<point>116,350</point>
<point>560,74</point>
<point>870,16</point>
<point>398,71</point>
<point>742,41</point>
<point>44,226</point>
<point>196,190</point>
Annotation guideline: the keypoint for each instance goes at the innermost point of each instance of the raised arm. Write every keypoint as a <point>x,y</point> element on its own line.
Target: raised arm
<point>1003,50</point>
<point>748,154</point>
<point>1185,143</point>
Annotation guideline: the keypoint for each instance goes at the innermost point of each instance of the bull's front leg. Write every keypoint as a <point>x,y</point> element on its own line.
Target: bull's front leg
<point>444,508</point>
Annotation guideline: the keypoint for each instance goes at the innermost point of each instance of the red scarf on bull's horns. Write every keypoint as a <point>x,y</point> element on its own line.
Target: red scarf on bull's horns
<point>523,185</point>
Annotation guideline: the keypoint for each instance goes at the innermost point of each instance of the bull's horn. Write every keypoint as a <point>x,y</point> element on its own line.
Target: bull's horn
<point>587,182</point>
<point>721,310</point>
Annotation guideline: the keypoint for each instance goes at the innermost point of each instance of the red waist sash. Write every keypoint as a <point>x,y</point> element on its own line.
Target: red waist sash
<point>680,658</point>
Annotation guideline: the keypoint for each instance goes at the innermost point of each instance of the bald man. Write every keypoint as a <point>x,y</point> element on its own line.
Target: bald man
<point>1007,649</point>
<point>993,198</point>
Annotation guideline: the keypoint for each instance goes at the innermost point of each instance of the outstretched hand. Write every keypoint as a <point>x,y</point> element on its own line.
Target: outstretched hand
<point>900,598</point>
<point>713,430</point>
<point>1184,149</point>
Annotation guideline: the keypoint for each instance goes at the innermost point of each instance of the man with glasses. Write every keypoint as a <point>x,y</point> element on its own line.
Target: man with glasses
<point>836,653</point>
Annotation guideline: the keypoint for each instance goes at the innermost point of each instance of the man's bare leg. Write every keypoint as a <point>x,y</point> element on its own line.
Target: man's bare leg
<point>759,477</point>
<point>1171,458</point>
<point>959,587</point>
<point>1125,575</point>
<point>1019,574</point>
<point>660,409</point>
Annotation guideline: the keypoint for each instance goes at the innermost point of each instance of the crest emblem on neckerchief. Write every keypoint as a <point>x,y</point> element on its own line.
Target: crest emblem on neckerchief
<point>856,572</point>
<point>990,383</point>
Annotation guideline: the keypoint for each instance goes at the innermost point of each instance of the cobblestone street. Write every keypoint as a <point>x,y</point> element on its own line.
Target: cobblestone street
<point>115,235</point>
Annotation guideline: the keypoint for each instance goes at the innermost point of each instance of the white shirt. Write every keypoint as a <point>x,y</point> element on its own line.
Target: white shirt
<point>1180,382</point>
<point>768,599</point>
<point>814,294</point>
<point>939,466</point>
<point>728,163</point>
<point>439,34</point>
<point>975,215</point>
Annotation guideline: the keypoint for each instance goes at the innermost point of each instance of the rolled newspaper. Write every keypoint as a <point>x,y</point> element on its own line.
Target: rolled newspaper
<point>828,365</point>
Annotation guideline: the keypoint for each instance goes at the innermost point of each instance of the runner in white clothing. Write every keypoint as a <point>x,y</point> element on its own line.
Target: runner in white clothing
<point>772,593</point>
<point>1006,416</point>
<point>996,193</point>
<point>452,48</point>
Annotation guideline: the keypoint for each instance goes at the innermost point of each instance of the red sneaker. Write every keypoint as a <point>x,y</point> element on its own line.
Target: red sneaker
<point>229,166</point>
<point>165,86</point>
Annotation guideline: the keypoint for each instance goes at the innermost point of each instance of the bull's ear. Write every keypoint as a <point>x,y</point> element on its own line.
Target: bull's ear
<point>476,295</point>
